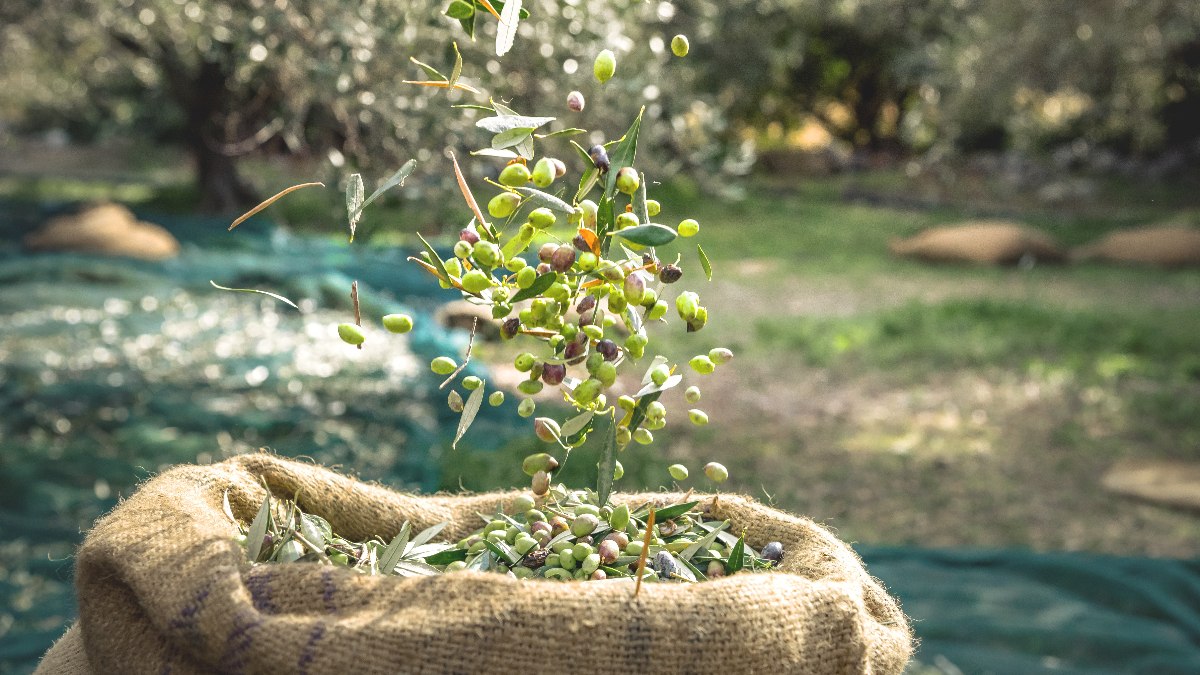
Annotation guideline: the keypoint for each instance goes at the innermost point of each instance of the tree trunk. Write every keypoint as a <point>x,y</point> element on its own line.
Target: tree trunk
<point>221,187</point>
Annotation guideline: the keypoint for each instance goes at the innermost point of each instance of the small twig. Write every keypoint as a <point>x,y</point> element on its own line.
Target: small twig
<point>467,358</point>
<point>357,310</point>
<point>641,568</point>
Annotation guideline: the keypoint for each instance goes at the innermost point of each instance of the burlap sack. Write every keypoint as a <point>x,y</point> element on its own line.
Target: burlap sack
<point>104,229</point>
<point>1165,246</point>
<point>163,587</point>
<point>984,242</point>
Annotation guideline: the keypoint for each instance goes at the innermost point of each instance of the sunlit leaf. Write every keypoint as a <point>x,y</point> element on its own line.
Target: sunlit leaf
<point>492,152</point>
<point>704,262</point>
<point>510,137</point>
<point>667,512</point>
<point>639,202</point>
<point>562,132</point>
<point>460,10</point>
<point>253,290</point>
<point>258,530</point>
<point>454,74</point>
<point>435,259</point>
<point>576,424</point>
<point>736,556</point>
<point>397,178</point>
<point>506,32</point>
<point>624,154</point>
<point>502,550</point>
<point>501,123</point>
<point>395,550</point>
<point>704,542</point>
<point>416,568</point>
<point>535,289</point>
<point>608,464</point>
<point>354,201</point>
<point>470,410</point>
<point>651,388</point>
<point>426,535</point>
<point>429,70</point>
<point>650,234</point>
<point>539,198</point>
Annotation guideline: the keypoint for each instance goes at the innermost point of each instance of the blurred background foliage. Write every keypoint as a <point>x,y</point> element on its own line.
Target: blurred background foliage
<point>1096,83</point>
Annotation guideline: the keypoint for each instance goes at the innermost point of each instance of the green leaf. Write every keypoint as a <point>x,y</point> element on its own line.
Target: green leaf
<point>397,178</point>
<point>354,201</point>
<point>511,137</point>
<point>639,202</point>
<point>562,132</point>
<point>258,530</point>
<point>535,289</point>
<point>506,32</point>
<point>492,152</point>
<point>502,550</point>
<point>652,388</point>
<point>504,122</point>
<point>525,148</point>
<point>736,556</point>
<point>576,424</point>
<point>502,109</point>
<point>446,557</point>
<point>435,259</point>
<point>470,410</point>
<point>606,216</point>
<point>624,154</point>
<point>432,72</point>
<point>583,154</point>
<point>416,568</point>
<point>668,512</point>
<point>481,562</point>
<point>608,464</point>
<point>696,574</point>
<point>703,543</point>
<point>468,25</point>
<point>427,534</point>
<point>395,550</point>
<point>460,10</point>
<point>457,71</point>
<point>515,246</point>
<point>650,234</point>
<point>539,198</point>
<point>587,181</point>
<point>704,262</point>
<point>251,290</point>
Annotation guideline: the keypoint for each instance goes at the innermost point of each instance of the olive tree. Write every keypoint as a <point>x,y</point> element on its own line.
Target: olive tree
<point>328,78</point>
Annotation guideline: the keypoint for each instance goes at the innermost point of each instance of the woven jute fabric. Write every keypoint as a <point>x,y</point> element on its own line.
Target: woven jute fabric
<point>163,587</point>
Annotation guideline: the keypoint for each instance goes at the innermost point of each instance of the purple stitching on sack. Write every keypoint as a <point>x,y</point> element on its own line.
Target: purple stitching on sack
<point>310,653</point>
<point>239,641</point>
<point>187,616</point>
<point>330,588</point>
<point>259,586</point>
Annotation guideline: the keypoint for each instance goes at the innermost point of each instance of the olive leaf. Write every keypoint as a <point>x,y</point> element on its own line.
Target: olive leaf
<point>458,63</point>
<point>509,120</point>
<point>650,234</point>
<point>639,202</point>
<point>252,290</point>
<point>447,556</point>
<point>432,72</point>
<point>652,388</point>
<point>576,424</point>
<point>395,550</point>
<point>460,10</point>
<point>506,32</point>
<point>704,262</point>
<point>511,137</point>
<point>608,464</point>
<point>535,289</point>
<point>624,154</point>
<point>704,542</point>
<point>470,410</point>
<point>667,512</point>
<point>502,550</point>
<point>736,556</point>
<point>435,259</point>
<point>228,511</point>
<point>562,132</point>
<point>539,198</point>
<point>493,152</point>
<point>587,181</point>
<point>354,201</point>
<point>397,178</point>
<point>258,530</point>
<point>425,535</point>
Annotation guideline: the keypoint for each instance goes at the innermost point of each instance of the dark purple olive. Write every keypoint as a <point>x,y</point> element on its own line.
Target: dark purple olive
<point>665,564</point>
<point>599,157</point>
<point>468,235</point>
<point>580,243</point>
<point>573,353</point>
<point>562,259</point>
<point>608,349</point>
<point>669,274</point>
<point>509,328</point>
<point>553,373</point>
<point>546,252</point>
<point>773,552</point>
<point>587,303</point>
